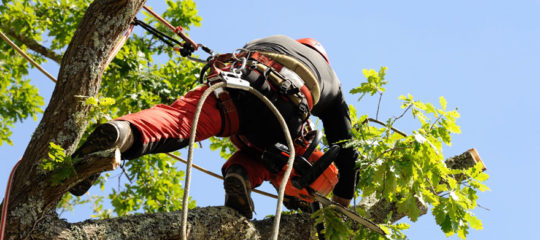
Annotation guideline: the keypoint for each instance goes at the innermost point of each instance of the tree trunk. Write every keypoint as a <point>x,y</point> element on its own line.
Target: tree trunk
<point>64,121</point>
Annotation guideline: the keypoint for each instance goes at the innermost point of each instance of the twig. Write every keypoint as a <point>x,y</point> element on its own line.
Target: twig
<point>433,124</point>
<point>124,172</point>
<point>403,114</point>
<point>384,124</point>
<point>378,106</point>
<point>482,207</point>
<point>389,150</point>
<point>431,186</point>
<point>443,194</point>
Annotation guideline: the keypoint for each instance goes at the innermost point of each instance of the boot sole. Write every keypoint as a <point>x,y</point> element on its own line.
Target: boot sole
<point>237,195</point>
<point>102,138</point>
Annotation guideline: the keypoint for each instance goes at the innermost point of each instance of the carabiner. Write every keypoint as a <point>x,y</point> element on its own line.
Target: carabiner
<point>239,70</point>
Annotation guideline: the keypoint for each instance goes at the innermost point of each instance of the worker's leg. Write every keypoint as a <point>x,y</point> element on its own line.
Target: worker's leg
<point>250,161</point>
<point>159,129</point>
<point>243,171</point>
<point>165,128</point>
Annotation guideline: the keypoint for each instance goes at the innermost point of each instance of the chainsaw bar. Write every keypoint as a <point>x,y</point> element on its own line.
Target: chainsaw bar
<point>349,213</point>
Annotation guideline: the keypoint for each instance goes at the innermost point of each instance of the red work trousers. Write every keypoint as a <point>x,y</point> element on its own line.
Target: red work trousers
<point>165,128</point>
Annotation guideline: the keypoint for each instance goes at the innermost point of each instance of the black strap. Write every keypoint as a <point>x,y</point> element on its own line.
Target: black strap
<point>185,50</point>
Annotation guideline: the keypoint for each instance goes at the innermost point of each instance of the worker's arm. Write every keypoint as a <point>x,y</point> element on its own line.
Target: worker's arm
<point>337,126</point>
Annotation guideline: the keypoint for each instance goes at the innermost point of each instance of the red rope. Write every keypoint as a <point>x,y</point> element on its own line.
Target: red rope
<point>119,45</point>
<point>6,202</point>
<point>178,30</point>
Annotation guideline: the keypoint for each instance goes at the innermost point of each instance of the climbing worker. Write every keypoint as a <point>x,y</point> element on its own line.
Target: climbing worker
<point>294,74</point>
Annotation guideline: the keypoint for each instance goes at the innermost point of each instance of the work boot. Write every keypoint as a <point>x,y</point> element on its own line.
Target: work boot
<point>238,191</point>
<point>105,136</point>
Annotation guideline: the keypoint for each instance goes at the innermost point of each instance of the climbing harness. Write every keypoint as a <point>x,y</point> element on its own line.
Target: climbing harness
<point>232,71</point>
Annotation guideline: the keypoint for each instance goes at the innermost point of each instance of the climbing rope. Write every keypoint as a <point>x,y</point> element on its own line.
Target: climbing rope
<point>3,221</point>
<point>288,139</point>
<point>119,45</point>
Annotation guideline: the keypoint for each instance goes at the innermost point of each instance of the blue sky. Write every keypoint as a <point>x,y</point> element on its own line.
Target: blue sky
<point>482,56</point>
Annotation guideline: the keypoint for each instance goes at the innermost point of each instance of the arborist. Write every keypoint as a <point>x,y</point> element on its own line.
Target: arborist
<point>294,74</point>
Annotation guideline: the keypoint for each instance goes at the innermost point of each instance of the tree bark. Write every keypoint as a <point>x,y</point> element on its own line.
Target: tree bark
<point>207,223</point>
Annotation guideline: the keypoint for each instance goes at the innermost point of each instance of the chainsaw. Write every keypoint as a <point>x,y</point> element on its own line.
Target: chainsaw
<point>314,176</point>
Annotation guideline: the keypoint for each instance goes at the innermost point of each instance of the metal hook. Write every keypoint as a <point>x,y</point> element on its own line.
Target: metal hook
<point>238,70</point>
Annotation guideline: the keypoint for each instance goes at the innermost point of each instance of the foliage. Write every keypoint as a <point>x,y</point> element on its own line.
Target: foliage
<point>336,226</point>
<point>58,163</point>
<point>54,20</point>
<point>374,84</point>
<point>409,169</point>
<point>18,98</point>
<point>225,147</point>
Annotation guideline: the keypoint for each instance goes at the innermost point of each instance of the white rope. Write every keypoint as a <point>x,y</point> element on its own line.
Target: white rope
<point>286,176</point>
<point>290,162</point>
<point>189,164</point>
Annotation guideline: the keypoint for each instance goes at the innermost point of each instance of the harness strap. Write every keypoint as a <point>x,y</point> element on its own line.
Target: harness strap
<point>229,114</point>
<point>259,57</point>
<point>287,82</point>
<point>299,68</point>
<point>269,62</point>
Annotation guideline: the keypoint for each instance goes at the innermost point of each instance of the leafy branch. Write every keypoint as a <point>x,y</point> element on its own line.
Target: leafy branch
<point>407,170</point>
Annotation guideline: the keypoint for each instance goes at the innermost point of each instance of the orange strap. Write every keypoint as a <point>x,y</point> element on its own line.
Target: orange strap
<point>266,61</point>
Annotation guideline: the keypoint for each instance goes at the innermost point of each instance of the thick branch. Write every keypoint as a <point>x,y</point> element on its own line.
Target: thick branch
<point>204,223</point>
<point>90,164</point>
<point>32,44</point>
<point>465,160</point>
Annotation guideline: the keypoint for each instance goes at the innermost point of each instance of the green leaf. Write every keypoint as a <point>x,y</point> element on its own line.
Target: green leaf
<point>474,222</point>
<point>443,102</point>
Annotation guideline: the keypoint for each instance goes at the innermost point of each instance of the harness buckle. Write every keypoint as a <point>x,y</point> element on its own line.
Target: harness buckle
<point>234,80</point>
